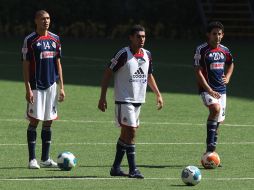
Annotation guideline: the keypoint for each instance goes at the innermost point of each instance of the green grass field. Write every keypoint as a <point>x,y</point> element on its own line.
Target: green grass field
<point>168,140</point>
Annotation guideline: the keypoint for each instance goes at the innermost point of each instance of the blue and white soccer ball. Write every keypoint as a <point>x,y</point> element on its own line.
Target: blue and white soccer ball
<point>66,161</point>
<point>191,175</point>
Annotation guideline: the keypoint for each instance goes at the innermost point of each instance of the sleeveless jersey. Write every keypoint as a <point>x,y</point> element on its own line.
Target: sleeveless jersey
<point>131,72</point>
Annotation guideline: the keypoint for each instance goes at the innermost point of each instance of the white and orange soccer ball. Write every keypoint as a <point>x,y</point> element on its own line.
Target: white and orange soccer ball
<point>210,160</point>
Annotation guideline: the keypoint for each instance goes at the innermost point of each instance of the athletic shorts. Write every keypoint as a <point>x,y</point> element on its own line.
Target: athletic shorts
<point>209,100</point>
<point>44,107</point>
<point>127,114</point>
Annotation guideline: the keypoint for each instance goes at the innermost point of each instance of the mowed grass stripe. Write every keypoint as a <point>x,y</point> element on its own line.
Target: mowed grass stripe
<point>109,178</point>
<point>146,123</point>
<point>141,143</point>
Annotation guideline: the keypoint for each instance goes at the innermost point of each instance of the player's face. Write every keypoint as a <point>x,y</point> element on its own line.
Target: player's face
<point>215,37</point>
<point>42,21</point>
<point>138,39</point>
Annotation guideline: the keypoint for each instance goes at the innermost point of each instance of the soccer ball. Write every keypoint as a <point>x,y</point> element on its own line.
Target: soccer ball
<point>210,160</point>
<point>191,175</point>
<point>66,161</point>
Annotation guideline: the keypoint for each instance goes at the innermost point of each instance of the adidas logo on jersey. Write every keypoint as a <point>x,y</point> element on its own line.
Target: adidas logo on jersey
<point>139,76</point>
<point>139,73</point>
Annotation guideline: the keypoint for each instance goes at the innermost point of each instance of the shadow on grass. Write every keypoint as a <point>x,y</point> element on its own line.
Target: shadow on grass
<point>139,166</point>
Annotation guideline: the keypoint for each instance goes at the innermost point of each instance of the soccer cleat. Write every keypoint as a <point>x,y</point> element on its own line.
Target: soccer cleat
<point>33,164</point>
<point>220,166</point>
<point>117,172</point>
<point>136,174</point>
<point>48,164</point>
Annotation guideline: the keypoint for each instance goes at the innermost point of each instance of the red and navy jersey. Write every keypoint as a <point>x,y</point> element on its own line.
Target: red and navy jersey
<point>42,52</point>
<point>213,61</point>
<point>120,58</point>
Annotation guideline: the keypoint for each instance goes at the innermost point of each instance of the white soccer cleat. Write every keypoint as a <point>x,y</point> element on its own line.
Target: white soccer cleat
<point>33,164</point>
<point>48,164</point>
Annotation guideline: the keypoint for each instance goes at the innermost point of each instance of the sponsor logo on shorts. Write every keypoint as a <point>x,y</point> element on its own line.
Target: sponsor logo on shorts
<point>31,111</point>
<point>125,119</point>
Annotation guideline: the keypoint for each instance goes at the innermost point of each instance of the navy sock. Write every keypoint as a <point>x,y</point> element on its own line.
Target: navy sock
<point>211,131</point>
<point>130,151</point>
<point>46,141</point>
<point>31,141</point>
<point>216,134</point>
<point>120,151</point>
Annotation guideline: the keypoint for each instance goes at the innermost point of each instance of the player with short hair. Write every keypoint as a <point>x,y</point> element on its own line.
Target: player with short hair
<point>214,66</point>
<point>132,69</point>
<point>42,71</point>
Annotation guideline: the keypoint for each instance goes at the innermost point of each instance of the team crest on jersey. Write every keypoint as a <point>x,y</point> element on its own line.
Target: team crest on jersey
<point>141,61</point>
<point>53,44</point>
<point>38,44</point>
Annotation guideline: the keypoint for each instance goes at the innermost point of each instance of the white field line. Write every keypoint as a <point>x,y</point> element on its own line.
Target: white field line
<point>141,143</point>
<point>146,123</point>
<point>109,178</point>
<point>82,58</point>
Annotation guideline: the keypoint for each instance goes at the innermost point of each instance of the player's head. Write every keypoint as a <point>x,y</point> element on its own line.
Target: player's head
<point>137,36</point>
<point>42,20</point>
<point>215,33</point>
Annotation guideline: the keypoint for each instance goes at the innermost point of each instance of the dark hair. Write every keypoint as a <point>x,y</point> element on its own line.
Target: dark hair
<point>39,13</point>
<point>136,28</point>
<point>213,25</point>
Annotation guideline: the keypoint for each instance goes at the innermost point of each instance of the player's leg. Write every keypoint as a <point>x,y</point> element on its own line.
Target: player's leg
<point>31,142</point>
<point>222,115</point>
<point>46,133</point>
<point>129,124</point>
<point>212,123</point>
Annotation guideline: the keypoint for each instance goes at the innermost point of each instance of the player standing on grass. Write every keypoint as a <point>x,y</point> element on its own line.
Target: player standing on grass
<point>214,66</point>
<point>42,69</point>
<point>132,68</point>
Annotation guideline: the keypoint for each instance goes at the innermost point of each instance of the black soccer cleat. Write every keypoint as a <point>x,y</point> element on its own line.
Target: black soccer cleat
<point>220,166</point>
<point>117,172</point>
<point>136,174</point>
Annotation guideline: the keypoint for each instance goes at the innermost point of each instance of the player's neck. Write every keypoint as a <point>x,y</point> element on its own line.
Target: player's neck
<point>135,50</point>
<point>42,32</point>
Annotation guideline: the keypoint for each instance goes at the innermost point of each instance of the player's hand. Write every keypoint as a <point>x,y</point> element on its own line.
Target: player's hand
<point>159,102</point>
<point>214,94</point>
<point>102,105</point>
<point>30,97</point>
<point>225,79</point>
<point>61,95</point>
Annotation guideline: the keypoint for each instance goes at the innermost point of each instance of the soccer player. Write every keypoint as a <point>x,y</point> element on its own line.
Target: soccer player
<point>42,71</point>
<point>132,69</point>
<point>214,66</point>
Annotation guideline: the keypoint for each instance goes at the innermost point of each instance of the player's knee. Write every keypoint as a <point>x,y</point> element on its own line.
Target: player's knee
<point>34,122</point>
<point>47,123</point>
<point>215,110</point>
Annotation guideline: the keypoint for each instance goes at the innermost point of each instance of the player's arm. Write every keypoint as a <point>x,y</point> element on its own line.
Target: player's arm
<point>202,81</point>
<point>152,84</point>
<point>229,72</point>
<point>61,84</point>
<point>29,92</point>
<point>102,105</point>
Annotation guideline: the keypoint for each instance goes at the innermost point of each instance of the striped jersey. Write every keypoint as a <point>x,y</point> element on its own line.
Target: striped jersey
<point>213,61</point>
<point>42,52</point>
<point>131,72</point>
